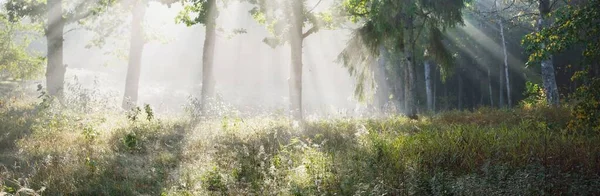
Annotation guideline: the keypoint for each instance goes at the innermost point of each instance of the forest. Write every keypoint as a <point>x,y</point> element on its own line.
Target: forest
<point>299,97</point>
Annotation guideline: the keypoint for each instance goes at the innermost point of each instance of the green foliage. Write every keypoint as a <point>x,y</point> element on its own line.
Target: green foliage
<point>277,16</point>
<point>149,112</point>
<point>16,60</point>
<point>387,23</point>
<point>131,141</point>
<point>587,105</point>
<point>36,10</point>
<point>534,95</point>
<point>574,25</point>
<point>214,182</point>
<point>198,12</point>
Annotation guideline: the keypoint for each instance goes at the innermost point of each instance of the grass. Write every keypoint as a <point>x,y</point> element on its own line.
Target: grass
<point>60,151</point>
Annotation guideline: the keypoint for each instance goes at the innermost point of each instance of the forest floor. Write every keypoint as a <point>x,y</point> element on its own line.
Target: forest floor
<point>52,150</point>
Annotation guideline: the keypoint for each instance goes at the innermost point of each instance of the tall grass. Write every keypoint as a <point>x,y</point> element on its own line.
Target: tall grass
<point>489,151</point>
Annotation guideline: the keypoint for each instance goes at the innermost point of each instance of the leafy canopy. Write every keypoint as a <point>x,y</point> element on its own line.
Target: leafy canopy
<point>573,26</point>
<point>384,23</point>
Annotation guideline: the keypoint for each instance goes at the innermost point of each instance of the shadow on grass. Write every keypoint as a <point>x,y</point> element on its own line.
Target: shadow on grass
<point>145,161</point>
<point>15,124</point>
<point>390,157</point>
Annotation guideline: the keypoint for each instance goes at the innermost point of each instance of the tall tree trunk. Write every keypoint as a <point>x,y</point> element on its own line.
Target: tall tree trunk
<point>428,89</point>
<point>506,74</point>
<point>295,81</point>
<point>400,84</point>
<point>460,90</point>
<point>382,91</point>
<point>435,76</point>
<point>55,71</point>
<point>489,74</point>
<point>208,55</point>
<point>446,96</point>
<point>501,88</point>
<point>135,55</point>
<point>410,98</point>
<point>548,75</point>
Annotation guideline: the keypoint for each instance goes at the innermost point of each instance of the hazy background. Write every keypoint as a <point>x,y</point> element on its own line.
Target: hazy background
<point>249,73</point>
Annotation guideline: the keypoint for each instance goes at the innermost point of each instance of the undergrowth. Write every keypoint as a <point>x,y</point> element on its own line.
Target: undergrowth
<point>49,150</point>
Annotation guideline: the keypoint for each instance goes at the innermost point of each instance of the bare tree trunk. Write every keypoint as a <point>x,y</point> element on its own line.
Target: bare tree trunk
<point>135,55</point>
<point>489,74</point>
<point>411,110</point>
<point>460,90</point>
<point>400,84</point>
<point>428,89</point>
<point>548,75</point>
<point>501,89</point>
<point>208,53</point>
<point>382,91</point>
<point>295,82</point>
<point>435,76</point>
<point>55,71</point>
<point>446,96</point>
<point>506,73</point>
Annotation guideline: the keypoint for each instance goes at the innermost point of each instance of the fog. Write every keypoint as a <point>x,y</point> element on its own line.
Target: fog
<point>250,75</point>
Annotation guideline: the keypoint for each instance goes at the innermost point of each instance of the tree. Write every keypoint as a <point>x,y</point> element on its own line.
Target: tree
<point>286,20</point>
<point>55,17</point>
<point>137,42</point>
<point>206,13</point>
<point>506,73</point>
<point>575,25</point>
<point>16,60</point>
<point>399,26</point>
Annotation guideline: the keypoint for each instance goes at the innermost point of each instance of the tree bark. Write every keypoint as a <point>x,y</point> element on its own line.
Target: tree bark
<point>135,55</point>
<point>208,78</point>
<point>428,85</point>
<point>382,91</point>
<point>410,97</point>
<point>460,90</point>
<point>435,76</point>
<point>501,88</point>
<point>506,73</point>
<point>295,81</point>
<point>489,74</point>
<point>400,85</point>
<point>548,75</point>
<point>55,71</point>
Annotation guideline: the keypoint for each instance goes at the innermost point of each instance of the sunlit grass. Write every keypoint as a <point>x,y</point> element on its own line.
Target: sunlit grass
<point>488,151</point>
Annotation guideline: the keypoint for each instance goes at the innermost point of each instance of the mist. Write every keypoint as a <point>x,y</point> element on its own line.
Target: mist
<point>250,75</point>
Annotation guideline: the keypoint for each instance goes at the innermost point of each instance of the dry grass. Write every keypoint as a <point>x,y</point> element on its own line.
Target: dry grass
<point>494,152</point>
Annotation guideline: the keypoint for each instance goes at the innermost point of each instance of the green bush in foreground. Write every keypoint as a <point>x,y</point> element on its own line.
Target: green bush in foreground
<point>494,152</point>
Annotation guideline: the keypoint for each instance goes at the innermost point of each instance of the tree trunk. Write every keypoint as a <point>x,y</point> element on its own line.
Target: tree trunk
<point>428,85</point>
<point>501,88</point>
<point>435,76</point>
<point>208,54</point>
<point>382,91</point>
<point>446,97</point>
<point>548,75</point>
<point>460,91</point>
<point>55,71</point>
<point>489,74</point>
<point>295,81</point>
<point>400,85</point>
<point>410,98</point>
<point>501,23</point>
<point>135,55</point>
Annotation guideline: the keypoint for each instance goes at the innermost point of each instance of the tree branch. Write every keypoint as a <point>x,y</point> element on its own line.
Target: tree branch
<point>312,30</point>
<point>314,6</point>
